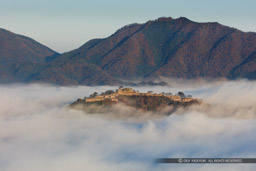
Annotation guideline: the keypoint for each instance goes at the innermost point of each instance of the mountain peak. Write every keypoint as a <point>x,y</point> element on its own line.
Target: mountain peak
<point>169,19</point>
<point>184,20</point>
<point>164,19</point>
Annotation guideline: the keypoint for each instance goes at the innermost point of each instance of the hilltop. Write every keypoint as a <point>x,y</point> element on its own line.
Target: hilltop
<point>102,103</point>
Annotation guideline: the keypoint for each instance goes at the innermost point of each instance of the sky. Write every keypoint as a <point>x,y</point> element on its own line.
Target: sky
<point>66,25</point>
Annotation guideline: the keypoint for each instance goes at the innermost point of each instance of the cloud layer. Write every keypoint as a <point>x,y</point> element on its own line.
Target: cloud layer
<point>38,132</point>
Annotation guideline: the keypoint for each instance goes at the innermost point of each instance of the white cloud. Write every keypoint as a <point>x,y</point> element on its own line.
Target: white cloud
<point>38,132</point>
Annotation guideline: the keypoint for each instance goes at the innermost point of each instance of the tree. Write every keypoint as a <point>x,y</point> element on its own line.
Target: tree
<point>94,94</point>
<point>108,92</point>
<point>181,94</point>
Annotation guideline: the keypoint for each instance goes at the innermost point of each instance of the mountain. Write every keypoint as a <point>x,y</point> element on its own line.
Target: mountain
<point>17,51</point>
<point>177,48</point>
<point>168,47</point>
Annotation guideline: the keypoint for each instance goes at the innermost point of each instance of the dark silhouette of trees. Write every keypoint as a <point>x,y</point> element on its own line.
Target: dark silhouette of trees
<point>93,94</point>
<point>181,94</point>
<point>108,92</point>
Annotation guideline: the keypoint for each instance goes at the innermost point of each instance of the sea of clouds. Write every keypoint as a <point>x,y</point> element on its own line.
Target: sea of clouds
<point>39,132</point>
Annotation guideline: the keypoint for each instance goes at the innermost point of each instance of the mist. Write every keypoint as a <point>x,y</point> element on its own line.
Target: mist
<point>39,132</point>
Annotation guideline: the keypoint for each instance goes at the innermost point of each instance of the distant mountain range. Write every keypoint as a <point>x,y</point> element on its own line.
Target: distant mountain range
<point>176,48</point>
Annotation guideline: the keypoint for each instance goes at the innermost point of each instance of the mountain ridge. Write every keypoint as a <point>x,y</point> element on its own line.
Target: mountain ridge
<point>182,31</point>
<point>165,47</point>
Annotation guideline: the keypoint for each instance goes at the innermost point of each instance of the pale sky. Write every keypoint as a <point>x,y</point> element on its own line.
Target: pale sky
<point>66,25</point>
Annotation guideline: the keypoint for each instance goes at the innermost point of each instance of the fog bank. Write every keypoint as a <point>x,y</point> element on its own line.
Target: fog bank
<point>38,132</point>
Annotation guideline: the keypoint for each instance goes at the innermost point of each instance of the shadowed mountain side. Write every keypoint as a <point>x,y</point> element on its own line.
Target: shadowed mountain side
<point>78,74</point>
<point>246,69</point>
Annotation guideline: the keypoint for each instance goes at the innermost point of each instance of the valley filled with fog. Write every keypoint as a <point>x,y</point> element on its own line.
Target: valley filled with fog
<point>39,132</point>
